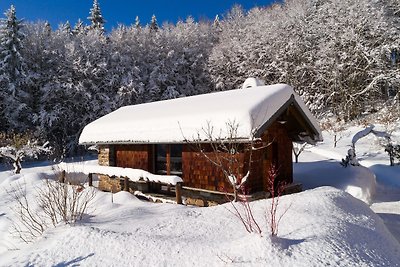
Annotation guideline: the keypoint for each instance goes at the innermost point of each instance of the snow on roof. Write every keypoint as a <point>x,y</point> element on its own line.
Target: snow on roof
<point>177,120</point>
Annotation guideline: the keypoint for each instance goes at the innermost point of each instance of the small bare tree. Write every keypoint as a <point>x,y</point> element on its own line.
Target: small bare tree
<point>54,203</point>
<point>298,148</point>
<point>18,146</point>
<point>335,126</point>
<point>244,212</point>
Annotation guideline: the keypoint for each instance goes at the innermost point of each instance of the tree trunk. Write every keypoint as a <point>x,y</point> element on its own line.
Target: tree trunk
<point>17,165</point>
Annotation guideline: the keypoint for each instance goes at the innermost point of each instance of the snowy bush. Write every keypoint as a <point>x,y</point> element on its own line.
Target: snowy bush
<point>350,159</point>
<point>16,147</point>
<point>53,203</point>
<point>394,152</point>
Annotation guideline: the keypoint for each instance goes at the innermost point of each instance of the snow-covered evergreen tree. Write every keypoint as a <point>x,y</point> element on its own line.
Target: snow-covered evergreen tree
<point>66,27</point>
<point>96,18</point>
<point>79,28</point>
<point>137,23</point>
<point>12,70</point>
<point>10,40</point>
<point>153,24</point>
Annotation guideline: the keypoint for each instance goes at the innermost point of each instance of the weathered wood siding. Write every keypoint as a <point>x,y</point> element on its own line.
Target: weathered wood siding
<point>283,159</point>
<point>199,172</point>
<point>134,156</point>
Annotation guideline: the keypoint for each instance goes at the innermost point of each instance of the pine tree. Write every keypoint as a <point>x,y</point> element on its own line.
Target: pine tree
<point>216,23</point>
<point>79,28</point>
<point>47,27</point>
<point>11,69</point>
<point>153,24</point>
<point>96,18</point>
<point>137,23</point>
<point>66,28</point>
<point>11,44</point>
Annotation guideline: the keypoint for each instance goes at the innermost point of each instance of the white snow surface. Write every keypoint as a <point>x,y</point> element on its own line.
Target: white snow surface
<point>133,174</point>
<point>323,225</point>
<point>182,119</point>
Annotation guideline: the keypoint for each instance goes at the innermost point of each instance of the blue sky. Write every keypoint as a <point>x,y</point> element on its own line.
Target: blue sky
<point>123,11</point>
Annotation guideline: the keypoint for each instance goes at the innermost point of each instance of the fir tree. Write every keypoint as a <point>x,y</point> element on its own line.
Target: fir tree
<point>216,22</point>
<point>96,18</point>
<point>66,28</point>
<point>47,28</point>
<point>137,23</point>
<point>11,70</point>
<point>11,44</point>
<point>79,28</point>
<point>153,24</point>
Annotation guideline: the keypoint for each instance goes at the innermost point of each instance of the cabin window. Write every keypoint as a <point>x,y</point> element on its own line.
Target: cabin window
<point>168,159</point>
<point>176,159</point>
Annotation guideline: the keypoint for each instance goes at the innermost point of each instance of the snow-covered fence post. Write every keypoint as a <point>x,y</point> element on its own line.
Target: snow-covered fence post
<point>62,176</point>
<point>178,193</point>
<point>90,179</point>
<point>126,184</point>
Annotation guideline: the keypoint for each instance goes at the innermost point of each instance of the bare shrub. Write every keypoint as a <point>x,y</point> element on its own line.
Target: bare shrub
<point>227,152</point>
<point>54,203</point>
<point>275,188</point>
<point>335,126</point>
<point>244,212</point>
<point>29,224</point>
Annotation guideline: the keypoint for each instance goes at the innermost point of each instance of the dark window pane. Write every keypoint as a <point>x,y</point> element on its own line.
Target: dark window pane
<point>176,159</point>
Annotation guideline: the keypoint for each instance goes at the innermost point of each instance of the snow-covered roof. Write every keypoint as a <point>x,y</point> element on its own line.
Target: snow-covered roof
<point>177,120</point>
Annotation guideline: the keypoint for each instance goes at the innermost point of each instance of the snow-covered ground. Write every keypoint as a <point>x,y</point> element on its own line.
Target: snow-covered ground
<point>354,224</point>
<point>375,182</point>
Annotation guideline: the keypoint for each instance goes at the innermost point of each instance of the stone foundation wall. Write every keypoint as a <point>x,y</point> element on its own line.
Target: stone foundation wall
<point>110,184</point>
<point>106,156</point>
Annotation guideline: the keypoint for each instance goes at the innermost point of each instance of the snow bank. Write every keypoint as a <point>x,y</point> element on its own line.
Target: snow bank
<point>322,227</point>
<point>133,174</point>
<point>358,181</point>
<point>179,119</point>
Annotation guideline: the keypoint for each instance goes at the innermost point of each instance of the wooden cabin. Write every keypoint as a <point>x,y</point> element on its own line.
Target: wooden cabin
<point>166,137</point>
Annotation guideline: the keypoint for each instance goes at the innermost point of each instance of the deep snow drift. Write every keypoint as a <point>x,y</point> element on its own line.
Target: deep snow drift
<point>323,225</point>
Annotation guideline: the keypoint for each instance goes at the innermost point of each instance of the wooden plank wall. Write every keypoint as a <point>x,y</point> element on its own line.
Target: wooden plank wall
<point>278,133</point>
<point>134,156</point>
<point>199,172</point>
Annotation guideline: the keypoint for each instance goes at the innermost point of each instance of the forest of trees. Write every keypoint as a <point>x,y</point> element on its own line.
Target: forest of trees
<point>342,57</point>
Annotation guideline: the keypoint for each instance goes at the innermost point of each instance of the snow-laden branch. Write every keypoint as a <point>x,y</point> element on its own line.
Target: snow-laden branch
<point>17,147</point>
